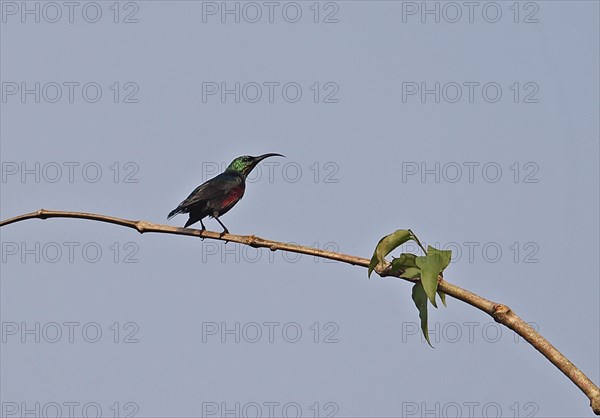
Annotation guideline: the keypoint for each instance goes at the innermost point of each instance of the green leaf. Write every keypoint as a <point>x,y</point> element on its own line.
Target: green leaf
<point>442,297</point>
<point>405,261</point>
<point>386,245</point>
<point>372,264</point>
<point>420,298</point>
<point>430,266</point>
<point>446,256</point>
<point>411,273</point>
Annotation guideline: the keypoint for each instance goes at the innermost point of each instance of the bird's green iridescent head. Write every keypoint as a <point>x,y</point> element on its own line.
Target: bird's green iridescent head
<point>246,163</point>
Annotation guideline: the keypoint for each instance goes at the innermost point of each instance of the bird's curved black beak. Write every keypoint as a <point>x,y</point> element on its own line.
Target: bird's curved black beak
<point>256,160</point>
<point>262,157</point>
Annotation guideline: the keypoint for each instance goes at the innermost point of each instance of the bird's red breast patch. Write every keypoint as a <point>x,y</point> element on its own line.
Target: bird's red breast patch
<point>233,196</point>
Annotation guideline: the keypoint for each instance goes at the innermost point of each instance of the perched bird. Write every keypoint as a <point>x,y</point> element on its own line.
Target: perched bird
<point>216,196</point>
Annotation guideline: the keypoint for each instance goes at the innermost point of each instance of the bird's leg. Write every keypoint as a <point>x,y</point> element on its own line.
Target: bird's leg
<point>225,230</point>
<point>203,227</point>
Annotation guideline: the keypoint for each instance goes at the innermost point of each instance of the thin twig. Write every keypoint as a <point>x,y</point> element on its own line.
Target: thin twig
<point>501,313</point>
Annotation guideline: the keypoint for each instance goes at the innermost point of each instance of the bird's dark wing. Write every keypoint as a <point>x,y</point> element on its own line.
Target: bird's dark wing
<point>215,188</point>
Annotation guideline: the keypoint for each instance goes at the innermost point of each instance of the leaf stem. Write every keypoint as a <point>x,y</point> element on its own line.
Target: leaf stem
<point>417,240</point>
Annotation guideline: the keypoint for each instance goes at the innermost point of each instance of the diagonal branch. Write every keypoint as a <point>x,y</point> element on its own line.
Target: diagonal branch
<point>501,313</point>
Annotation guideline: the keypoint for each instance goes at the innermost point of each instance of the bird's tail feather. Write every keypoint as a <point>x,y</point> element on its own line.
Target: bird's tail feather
<point>173,213</point>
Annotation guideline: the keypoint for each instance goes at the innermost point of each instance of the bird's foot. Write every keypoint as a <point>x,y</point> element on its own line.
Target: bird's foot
<point>225,231</point>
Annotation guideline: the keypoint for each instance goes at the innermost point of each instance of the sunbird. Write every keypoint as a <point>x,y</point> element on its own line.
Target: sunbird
<point>216,196</point>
